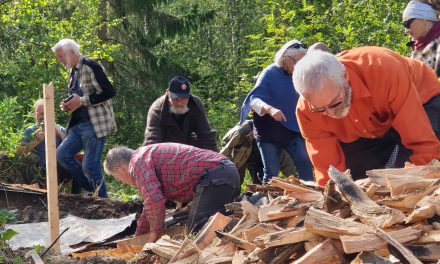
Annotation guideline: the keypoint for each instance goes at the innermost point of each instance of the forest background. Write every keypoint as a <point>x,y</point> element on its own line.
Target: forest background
<point>219,45</point>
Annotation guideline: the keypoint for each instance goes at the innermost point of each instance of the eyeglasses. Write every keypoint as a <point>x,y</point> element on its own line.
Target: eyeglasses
<point>331,106</point>
<point>407,23</point>
<point>297,46</point>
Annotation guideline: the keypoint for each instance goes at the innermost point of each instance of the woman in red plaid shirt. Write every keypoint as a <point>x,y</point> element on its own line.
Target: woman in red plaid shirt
<point>175,172</point>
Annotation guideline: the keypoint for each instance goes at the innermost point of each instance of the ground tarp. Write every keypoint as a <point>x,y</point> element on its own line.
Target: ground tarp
<point>80,230</point>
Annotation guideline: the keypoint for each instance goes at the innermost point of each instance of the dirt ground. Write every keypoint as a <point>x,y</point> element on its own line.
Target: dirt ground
<point>32,208</point>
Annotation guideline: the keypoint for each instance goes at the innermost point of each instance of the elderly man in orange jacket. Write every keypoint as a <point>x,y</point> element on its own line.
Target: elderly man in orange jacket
<point>357,106</point>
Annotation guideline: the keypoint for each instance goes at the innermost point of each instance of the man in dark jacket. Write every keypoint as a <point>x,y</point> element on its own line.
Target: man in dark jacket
<point>180,117</point>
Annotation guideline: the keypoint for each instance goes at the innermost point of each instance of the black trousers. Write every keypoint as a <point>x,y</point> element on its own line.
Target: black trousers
<point>368,154</point>
<point>254,165</point>
<point>217,187</point>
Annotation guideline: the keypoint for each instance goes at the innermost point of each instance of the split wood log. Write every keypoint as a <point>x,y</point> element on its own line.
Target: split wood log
<point>216,222</point>
<point>203,239</point>
<point>161,251</point>
<point>361,205</point>
<point>283,256</point>
<point>406,253</point>
<point>289,236</point>
<point>368,258</point>
<point>240,257</point>
<point>370,242</point>
<point>263,188</point>
<point>294,187</point>
<point>190,259</point>
<point>432,236</point>
<point>218,260</point>
<point>324,252</point>
<point>292,222</point>
<point>344,212</point>
<point>268,255</point>
<point>421,213</point>
<point>426,208</point>
<point>332,199</point>
<point>241,243</point>
<point>426,172</point>
<point>260,229</point>
<point>372,190</point>
<point>262,212</point>
<point>327,225</point>
<point>250,217</point>
<point>281,214</point>
<point>165,247</point>
<point>305,196</point>
<point>135,241</point>
<point>408,200</point>
<point>309,245</point>
<point>398,185</point>
<point>183,248</point>
<point>216,254</point>
<point>426,252</point>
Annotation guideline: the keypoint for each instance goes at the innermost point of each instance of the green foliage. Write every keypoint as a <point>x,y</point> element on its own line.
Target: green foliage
<point>221,46</point>
<point>120,190</point>
<point>11,118</point>
<point>7,217</point>
<point>28,29</point>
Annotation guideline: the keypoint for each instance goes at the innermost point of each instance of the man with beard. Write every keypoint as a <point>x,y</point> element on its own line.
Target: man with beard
<point>92,117</point>
<point>357,106</point>
<point>180,117</point>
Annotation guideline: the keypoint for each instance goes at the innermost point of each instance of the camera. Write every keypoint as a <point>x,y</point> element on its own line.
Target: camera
<point>65,100</point>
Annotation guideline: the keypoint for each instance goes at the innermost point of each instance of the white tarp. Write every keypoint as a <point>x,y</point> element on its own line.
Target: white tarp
<point>81,230</point>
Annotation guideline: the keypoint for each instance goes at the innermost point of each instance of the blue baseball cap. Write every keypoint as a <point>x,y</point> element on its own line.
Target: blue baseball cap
<point>179,87</point>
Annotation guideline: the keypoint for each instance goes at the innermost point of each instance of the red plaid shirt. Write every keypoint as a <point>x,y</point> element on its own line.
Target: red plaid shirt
<point>167,171</point>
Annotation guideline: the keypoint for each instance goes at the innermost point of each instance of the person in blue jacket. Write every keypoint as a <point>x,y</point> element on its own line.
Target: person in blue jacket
<point>273,101</point>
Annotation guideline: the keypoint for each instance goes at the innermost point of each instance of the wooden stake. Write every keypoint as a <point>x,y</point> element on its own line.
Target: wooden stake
<point>51,165</point>
<point>36,259</point>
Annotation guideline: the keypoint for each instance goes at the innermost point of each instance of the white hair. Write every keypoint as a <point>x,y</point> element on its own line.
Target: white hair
<point>314,70</point>
<point>39,102</point>
<point>116,157</point>
<point>283,53</point>
<point>67,44</point>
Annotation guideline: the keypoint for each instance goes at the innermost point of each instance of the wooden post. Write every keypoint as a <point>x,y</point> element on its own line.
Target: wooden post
<point>51,165</point>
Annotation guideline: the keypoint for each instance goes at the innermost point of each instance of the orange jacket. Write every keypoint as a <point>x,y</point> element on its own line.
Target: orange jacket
<point>388,90</point>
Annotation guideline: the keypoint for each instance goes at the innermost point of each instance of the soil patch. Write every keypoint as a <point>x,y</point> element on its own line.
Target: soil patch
<point>32,208</point>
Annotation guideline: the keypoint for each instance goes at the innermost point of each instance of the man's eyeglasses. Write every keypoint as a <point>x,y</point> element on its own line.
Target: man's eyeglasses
<point>407,23</point>
<point>297,46</point>
<point>331,106</point>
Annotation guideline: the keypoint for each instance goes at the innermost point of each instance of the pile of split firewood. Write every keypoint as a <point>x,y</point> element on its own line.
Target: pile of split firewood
<point>391,217</point>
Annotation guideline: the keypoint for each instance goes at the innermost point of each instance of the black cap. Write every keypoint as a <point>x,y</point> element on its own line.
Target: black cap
<point>179,87</point>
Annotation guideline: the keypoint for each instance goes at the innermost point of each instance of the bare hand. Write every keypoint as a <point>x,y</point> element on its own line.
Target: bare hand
<point>72,104</point>
<point>39,135</point>
<point>277,114</point>
<point>149,237</point>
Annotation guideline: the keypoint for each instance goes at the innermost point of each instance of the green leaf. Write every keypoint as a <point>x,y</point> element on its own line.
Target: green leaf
<point>7,234</point>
